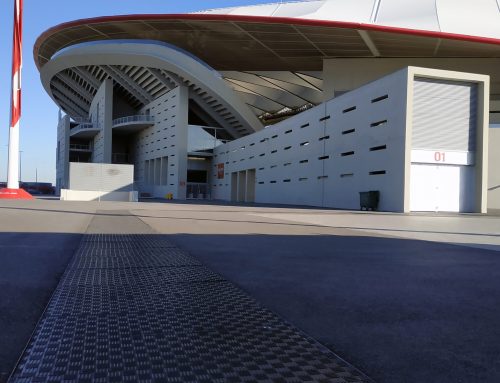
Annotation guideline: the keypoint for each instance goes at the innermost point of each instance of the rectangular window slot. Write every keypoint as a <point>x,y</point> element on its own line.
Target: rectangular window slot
<point>274,151</point>
<point>322,177</point>
<point>263,140</point>
<point>287,147</point>
<point>250,158</point>
<point>324,118</point>
<point>262,154</point>
<point>261,183</point>
<point>304,126</point>
<point>304,161</point>
<point>324,138</point>
<point>287,180</point>
<point>303,179</point>
<point>272,182</point>
<point>242,159</point>
<point>275,136</point>
<point>381,98</point>
<point>288,131</point>
<point>345,154</point>
<point>375,148</point>
<point>252,144</point>
<point>242,148</point>
<point>304,143</point>
<point>323,158</point>
<point>346,175</point>
<point>274,166</point>
<point>349,109</point>
<point>287,164</point>
<point>377,173</point>
<point>378,123</point>
<point>261,168</point>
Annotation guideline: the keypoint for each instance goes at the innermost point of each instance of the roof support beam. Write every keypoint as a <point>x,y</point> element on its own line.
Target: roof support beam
<point>87,77</point>
<point>71,83</point>
<point>128,83</point>
<point>69,102</point>
<point>75,100</point>
<point>369,43</point>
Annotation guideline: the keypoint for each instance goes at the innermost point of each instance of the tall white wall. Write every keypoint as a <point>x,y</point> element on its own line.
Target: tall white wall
<point>494,168</point>
<point>323,157</point>
<point>62,153</point>
<point>161,151</point>
<point>101,112</point>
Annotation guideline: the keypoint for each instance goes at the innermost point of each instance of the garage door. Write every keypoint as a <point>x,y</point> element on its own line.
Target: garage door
<point>435,188</point>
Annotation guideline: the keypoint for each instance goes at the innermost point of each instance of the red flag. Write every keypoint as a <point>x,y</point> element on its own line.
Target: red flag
<point>17,63</point>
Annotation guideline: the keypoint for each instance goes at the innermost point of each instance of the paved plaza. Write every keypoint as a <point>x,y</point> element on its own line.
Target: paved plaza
<point>209,292</point>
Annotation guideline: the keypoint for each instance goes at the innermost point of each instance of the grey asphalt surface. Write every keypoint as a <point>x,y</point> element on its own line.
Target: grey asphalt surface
<point>399,310</point>
<point>31,265</point>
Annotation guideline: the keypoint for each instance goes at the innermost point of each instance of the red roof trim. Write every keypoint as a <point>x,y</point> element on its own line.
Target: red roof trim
<point>263,19</point>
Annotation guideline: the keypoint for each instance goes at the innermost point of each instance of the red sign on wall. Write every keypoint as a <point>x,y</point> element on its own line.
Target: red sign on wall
<point>220,171</point>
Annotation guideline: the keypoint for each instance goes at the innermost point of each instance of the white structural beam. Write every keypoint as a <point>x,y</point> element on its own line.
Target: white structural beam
<point>75,100</point>
<point>73,84</point>
<point>127,83</point>
<point>369,43</point>
<point>86,76</point>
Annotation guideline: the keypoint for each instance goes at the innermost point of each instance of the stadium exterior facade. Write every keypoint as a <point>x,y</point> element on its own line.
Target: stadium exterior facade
<point>304,102</point>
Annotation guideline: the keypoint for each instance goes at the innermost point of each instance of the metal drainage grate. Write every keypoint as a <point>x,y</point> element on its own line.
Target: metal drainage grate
<point>136,309</point>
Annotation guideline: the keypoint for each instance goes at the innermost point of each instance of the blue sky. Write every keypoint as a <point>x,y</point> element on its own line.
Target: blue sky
<point>39,118</point>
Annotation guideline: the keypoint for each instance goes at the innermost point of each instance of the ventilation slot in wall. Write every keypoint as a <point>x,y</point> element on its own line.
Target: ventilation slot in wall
<point>273,166</point>
<point>345,154</point>
<point>324,118</point>
<point>287,180</point>
<point>261,183</point>
<point>348,131</point>
<point>322,177</point>
<point>304,126</point>
<point>381,98</point>
<point>349,109</point>
<point>275,136</point>
<point>274,151</point>
<point>262,154</point>
<point>323,158</point>
<point>303,179</point>
<point>287,147</point>
<point>376,148</point>
<point>304,161</point>
<point>377,173</point>
<point>324,138</point>
<point>287,132</point>
<point>272,182</point>
<point>378,123</point>
<point>304,143</point>
<point>287,164</point>
<point>347,175</point>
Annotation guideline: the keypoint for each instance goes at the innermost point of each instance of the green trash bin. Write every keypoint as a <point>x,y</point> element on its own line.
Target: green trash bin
<point>369,200</point>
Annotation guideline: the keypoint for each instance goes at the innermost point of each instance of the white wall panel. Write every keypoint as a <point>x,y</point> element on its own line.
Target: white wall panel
<point>299,160</point>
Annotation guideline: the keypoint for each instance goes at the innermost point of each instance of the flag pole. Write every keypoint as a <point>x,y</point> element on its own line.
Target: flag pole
<point>13,191</point>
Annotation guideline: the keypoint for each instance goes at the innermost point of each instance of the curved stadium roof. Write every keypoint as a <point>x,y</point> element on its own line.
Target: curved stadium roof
<point>272,55</point>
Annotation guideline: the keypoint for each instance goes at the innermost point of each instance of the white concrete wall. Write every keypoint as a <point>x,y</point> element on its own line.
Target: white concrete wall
<point>494,168</point>
<point>101,111</point>
<point>92,195</point>
<point>306,159</point>
<point>62,154</point>
<point>166,139</point>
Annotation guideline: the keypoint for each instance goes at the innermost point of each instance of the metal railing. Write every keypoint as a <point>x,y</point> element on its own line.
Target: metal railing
<point>84,125</point>
<point>79,147</point>
<point>136,118</point>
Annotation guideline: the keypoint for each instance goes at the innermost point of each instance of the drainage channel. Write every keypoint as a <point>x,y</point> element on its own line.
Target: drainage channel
<point>135,308</point>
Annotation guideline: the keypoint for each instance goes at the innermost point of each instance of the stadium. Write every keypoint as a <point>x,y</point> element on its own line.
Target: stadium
<point>301,103</point>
